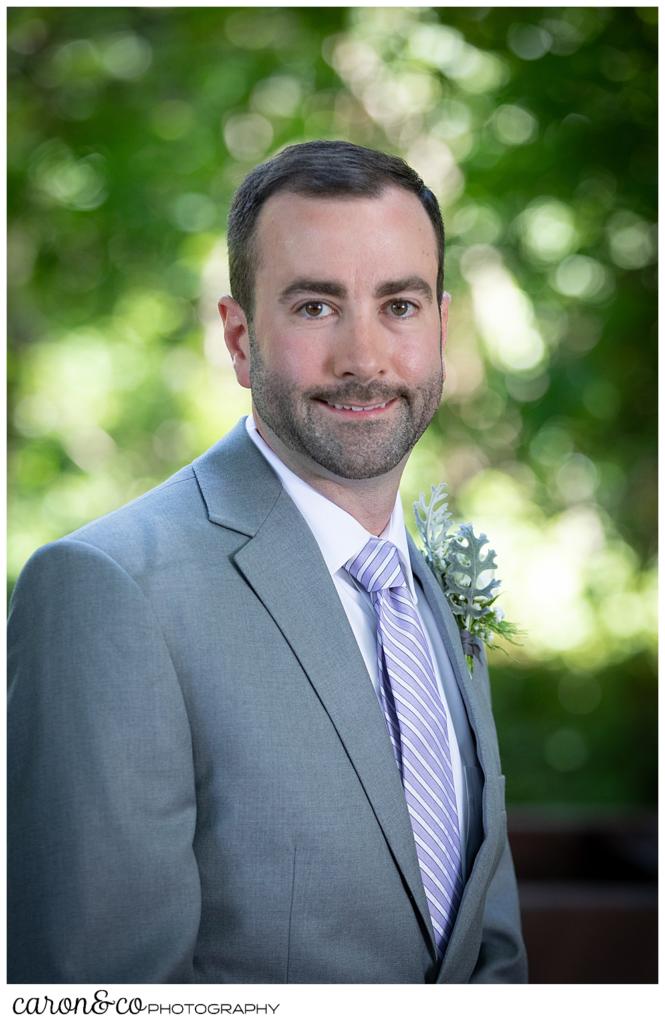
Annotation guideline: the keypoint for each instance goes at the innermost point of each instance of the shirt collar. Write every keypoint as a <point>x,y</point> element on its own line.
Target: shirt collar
<point>339,536</point>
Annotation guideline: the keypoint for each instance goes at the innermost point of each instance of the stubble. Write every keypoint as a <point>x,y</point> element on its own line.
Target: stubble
<point>357,450</point>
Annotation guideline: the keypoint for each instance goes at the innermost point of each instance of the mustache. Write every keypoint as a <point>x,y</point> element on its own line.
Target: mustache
<point>359,394</point>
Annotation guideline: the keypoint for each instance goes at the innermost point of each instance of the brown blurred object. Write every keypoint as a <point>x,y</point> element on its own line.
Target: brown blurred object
<point>589,895</point>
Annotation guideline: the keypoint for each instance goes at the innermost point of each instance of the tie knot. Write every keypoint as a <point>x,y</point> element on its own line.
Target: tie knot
<point>377,566</point>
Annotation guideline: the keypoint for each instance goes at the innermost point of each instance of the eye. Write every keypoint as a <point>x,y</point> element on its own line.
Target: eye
<point>402,308</point>
<point>314,310</point>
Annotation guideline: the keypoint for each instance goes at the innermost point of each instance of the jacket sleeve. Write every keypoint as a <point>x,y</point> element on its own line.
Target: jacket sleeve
<point>103,881</point>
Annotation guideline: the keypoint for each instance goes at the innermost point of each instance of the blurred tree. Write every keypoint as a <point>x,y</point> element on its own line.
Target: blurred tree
<point>130,129</point>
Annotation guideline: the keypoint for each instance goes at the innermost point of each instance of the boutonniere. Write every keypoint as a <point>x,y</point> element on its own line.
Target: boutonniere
<point>456,557</point>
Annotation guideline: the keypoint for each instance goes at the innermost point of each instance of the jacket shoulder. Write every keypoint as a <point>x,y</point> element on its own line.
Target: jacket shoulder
<point>141,534</point>
<point>179,494</point>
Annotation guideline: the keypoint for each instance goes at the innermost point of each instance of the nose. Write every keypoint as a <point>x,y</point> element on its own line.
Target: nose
<point>361,350</point>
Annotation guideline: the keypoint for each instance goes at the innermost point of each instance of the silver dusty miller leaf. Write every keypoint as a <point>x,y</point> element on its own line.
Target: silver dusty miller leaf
<point>466,563</point>
<point>434,521</point>
<point>460,562</point>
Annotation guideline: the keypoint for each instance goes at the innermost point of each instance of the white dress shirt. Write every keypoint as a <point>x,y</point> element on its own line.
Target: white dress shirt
<point>340,537</point>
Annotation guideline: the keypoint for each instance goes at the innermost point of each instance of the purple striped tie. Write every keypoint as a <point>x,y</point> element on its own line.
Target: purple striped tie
<point>418,729</point>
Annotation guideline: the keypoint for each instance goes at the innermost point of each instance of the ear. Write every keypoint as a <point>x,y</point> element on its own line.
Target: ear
<point>445,304</point>
<point>236,336</point>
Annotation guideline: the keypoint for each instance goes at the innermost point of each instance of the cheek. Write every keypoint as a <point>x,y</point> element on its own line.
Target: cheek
<point>418,362</point>
<point>299,359</point>
<point>291,373</point>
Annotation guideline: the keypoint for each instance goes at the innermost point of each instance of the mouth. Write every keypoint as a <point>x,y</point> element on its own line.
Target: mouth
<point>360,411</point>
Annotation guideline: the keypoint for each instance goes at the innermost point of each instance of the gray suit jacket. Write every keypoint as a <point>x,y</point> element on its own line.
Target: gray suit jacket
<point>201,787</point>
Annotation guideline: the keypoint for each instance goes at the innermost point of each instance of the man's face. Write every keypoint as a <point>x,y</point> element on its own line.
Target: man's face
<point>345,349</point>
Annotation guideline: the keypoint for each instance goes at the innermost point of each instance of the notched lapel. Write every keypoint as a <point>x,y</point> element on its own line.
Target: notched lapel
<point>284,566</point>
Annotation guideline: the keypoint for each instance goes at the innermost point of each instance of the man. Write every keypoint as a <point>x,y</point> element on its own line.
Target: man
<point>244,744</point>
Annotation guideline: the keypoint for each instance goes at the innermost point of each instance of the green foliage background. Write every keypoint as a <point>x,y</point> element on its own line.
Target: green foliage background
<point>129,129</point>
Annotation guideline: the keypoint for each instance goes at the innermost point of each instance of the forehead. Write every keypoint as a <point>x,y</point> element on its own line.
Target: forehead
<point>390,234</point>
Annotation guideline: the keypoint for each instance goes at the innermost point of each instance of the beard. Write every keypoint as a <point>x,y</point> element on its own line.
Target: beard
<point>357,450</point>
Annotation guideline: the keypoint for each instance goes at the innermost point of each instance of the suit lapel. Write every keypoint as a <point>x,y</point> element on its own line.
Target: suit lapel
<point>480,720</point>
<point>283,565</point>
<point>473,701</point>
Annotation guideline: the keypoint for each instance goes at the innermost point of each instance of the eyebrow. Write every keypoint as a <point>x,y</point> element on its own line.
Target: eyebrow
<point>404,284</point>
<point>414,283</point>
<point>307,284</point>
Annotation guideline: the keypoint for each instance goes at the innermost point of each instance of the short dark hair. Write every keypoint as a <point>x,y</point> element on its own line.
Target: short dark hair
<point>320,168</point>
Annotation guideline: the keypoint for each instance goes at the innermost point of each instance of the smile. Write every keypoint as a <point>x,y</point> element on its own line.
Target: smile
<point>358,410</point>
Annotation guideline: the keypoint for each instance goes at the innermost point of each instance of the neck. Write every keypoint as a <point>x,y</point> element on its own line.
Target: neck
<point>370,502</point>
<point>370,505</point>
